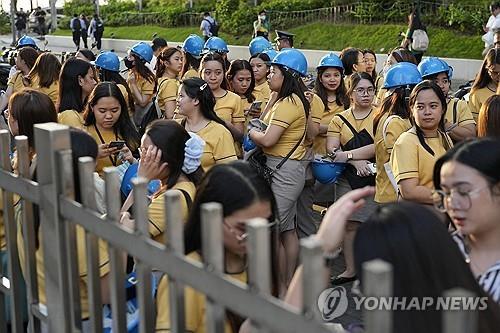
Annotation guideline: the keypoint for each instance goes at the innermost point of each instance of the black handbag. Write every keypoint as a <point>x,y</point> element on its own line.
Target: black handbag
<point>359,139</point>
<point>154,112</point>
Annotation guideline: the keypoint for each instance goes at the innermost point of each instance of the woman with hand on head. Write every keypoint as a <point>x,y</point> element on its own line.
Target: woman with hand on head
<point>417,150</point>
<point>228,104</point>
<point>467,182</point>
<point>108,122</point>
<point>459,122</point>
<point>168,68</point>
<point>350,140</point>
<point>486,82</point>
<point>196,104</point>
<point>77,80</point>
<point>244,195</point>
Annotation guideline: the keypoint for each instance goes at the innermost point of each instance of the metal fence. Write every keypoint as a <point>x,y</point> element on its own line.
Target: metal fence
<point>60,216</point>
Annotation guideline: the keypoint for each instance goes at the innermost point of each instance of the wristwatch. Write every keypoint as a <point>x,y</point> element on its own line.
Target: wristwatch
<point>349,156</point>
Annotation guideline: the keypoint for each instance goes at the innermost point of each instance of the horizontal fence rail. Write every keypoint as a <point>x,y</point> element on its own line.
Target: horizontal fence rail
<point>68,227</point>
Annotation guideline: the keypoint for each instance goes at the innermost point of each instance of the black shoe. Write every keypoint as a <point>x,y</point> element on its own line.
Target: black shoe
<point>342,279</point>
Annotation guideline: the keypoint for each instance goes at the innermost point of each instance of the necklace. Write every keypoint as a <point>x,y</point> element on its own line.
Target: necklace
<point>198,128</point>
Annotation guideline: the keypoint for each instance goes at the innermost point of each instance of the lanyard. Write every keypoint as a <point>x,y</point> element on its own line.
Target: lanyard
<point>113,160</point>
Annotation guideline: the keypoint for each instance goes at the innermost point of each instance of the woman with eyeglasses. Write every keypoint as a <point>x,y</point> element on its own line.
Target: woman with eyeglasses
<point>486,82</point>
<point>244,195</point>
<point>350,140</point>
<point>353,60</point>
<point>417,150</point>
<point>467,182</point>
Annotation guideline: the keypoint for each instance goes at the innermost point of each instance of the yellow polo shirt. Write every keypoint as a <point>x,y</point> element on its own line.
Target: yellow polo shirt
<point>262,93</point>
<point>16,82</point>
<point>219,145</point>
<point>315,113</point>
<point>319,144</point>
<point>107,136</point>
<point>145,87</point>
<point>463,115</point>
<point>52,91</point>
<point>409,159</point>
<point>383,148</point>
<point>477,99</point>
<point>338,129</point>
<point>190,73</point>
<point>71,118</point>
<point>167,90</point>
<point>228,108</point>
<point>194,304</point>
<point>289,114</point>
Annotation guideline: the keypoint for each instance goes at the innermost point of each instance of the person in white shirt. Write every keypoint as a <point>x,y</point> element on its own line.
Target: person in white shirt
<point>490,27</point>
<point>205,25</point>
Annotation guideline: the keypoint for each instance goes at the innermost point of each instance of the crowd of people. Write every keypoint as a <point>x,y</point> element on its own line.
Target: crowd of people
<point>394,155</point>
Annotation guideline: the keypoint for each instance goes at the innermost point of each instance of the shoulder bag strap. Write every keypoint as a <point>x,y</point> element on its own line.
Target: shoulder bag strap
<point>455,104</point>
<point>353,130</point>
<point>280,164</point>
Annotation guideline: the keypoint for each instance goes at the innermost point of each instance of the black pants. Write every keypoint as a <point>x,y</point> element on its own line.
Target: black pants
<point>76,39</point>
<point>84,38</point>
<point>263,34</point>
<point>98,39</point>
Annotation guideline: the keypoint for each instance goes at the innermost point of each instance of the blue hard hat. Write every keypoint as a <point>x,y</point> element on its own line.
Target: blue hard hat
<point>258,44</point>
<point>26,41</point>
<point>248,143</point>
<point>130,174</point>
<point>402,74</point>
<point>331,60</point>
<point>291,59</point>
<point>215,44</point>
<point>327,172</point>
<point>193,45</point>
<point>271,53</point>
<point>107,60</point>
<point>143,51</point>
<point>432,66</point>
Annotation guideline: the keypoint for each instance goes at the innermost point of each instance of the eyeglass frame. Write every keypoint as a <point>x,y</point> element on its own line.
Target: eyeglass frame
<point>448,196</point>
<point>361,91</point>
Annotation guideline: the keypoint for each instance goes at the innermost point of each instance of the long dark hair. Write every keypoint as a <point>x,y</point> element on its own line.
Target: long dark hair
<point>403,55</point>
<point>374,72</point>
<point>190,62</point>
<point>425,262</point>
<point>293,84</point>
<point>70,91</point>
<point>482,155</point>
<point>234,68</point>
<point>29,55</point>
<point>123,126</point>
<point>170,137</point>
<point>341,94</point>
<point>492,58</point>
<point>349,57</point>
<point>163,58</point>
<point>429,85</point>
<point>30,107</point>
<point>199,89</point>
<point>488,121</point>
<point>143,70</point>
<point>214,56</point>
<point>47,67</point>
<point>395,104</point>
<point>105,75</point>
<point>414,21</point>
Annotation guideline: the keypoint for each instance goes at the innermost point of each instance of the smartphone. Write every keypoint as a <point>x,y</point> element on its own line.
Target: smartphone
<point>256,105</point>
<point>116,144</point>
<point>373,168</point>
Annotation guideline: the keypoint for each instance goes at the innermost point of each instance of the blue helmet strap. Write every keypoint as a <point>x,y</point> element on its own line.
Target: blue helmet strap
<point>294,73</point>
<point>407,93</point>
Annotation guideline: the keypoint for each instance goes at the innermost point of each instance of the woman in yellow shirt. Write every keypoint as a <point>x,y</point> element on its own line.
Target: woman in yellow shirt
<point>168,68</point>
<point>141,80</point>
<point>196,103</point>
<point>77,81</point>
<point>107,121</point>
<point>459,122</point>
<point>44,76</point>
<point>172,155</point>
<point>282,143</point>
<point>228,104</point>
<point>416,151</point>
<point>242,83</point>
<point>390,121</point>
<point>260,67</point>
<point>486,81</point>
<point>350,140</point>
<point>25,60</point>
<point>192,47</point>
<point>244,195</point>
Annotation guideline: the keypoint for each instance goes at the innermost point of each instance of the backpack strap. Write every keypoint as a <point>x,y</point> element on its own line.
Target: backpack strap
<point>455,105</point>
<point>353,130</point>
<point>187,197</point>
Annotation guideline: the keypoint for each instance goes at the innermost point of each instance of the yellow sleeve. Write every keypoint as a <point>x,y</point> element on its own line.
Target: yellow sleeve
<point>404,158</point>
<point>82,254</point>
<point>317,109</point>
<point>146,87</point>
<point>238,114</point>
<point>395,128</point>
<point>464,114</point>
<point>474,105</point>
<point>285,113</point>
<point>335,127</point>
<point>157,214</point>
<point>168,91</point>
<point>190,73</point>
<point>224,150</point>
<point>70,118</point>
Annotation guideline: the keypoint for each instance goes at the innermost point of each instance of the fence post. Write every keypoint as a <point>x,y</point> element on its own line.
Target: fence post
<point>213,256</point>
<point>377,277</point>
<point>463,320</point>
<point>5,165</point>
<point>50,138</point>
